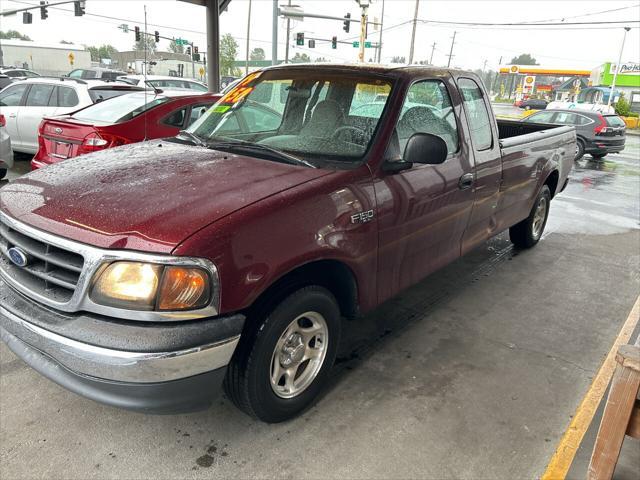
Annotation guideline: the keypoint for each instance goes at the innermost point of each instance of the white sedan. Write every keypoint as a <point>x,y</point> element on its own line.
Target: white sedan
<point>24,104</point>
<point>164,82</point>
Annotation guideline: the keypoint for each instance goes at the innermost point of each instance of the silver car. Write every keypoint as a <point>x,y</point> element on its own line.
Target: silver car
<point>6,155</point>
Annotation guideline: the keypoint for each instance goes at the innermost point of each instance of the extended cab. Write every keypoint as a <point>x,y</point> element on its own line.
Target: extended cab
<point>148,275</point>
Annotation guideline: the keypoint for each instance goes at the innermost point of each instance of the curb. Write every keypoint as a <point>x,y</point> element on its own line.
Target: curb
<point>634,132</point>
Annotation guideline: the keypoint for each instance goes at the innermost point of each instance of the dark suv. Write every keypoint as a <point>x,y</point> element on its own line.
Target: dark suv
<point>598,134</point>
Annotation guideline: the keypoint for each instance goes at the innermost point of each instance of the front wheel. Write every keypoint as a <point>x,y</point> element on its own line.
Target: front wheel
<point>579,150</point>
<point>283,361</point>
<point>528,232</point>
<point>3,173</point>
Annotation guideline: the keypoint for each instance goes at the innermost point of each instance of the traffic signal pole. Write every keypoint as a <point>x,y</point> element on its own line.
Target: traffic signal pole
<point>363,30</point>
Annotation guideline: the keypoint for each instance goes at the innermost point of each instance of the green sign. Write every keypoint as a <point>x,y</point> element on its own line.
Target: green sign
<point>367,44</point>
<point>356,44</point>
<point>181,41</point>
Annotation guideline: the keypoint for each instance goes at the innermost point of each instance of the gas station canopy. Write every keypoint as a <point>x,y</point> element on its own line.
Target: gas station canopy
<point>542,70</point>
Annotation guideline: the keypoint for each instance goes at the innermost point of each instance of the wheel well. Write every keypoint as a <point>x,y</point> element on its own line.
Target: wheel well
<point>333,275</point>
<point>552,182</point>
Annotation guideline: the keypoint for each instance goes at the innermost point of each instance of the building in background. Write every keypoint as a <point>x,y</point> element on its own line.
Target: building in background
<point>46,59</point>
<point>160,63</point>
<point>627,81</point>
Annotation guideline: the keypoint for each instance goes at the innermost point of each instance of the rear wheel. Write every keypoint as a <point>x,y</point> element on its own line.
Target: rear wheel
<point>528,232</point>
<point>579,150</point>
<point>283,361</point>
<point>598,156</point>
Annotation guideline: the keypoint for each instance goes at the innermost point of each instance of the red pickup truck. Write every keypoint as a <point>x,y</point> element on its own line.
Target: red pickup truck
<point>147,276</point>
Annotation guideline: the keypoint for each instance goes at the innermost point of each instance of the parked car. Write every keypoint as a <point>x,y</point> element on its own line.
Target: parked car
<point>597,134</point>
<point>227,80</point>
<point>96,73</point>
<point>230,255</point>
<point>130,118</point>
<point>533,104</point>
<point>6,154</point>
<point>8,75</point>
<point>25,103</point>
<point>172,83</point>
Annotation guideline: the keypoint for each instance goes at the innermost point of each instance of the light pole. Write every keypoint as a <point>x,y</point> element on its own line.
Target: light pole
<point>246,62</point>
<point>413,32</point>
<point>364,4</point>
<point>615,74</point>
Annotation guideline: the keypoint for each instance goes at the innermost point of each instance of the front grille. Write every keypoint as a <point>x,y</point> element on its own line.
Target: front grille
<point>51,271</point>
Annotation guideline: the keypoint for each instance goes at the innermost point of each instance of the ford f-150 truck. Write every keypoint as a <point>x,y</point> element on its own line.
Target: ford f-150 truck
<point>148,276</point>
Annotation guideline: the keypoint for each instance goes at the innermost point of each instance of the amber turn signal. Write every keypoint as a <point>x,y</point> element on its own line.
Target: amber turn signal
<point>183,288</point>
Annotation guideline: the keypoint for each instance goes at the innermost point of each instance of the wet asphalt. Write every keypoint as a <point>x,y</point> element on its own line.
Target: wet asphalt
<point>473,373</point>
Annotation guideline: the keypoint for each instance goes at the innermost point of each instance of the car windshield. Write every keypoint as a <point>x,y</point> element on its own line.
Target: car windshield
<point>120,109</point>
<point>311,115</point>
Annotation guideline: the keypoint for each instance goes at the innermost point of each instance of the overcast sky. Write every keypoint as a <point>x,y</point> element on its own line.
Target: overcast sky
<point>577,46</point>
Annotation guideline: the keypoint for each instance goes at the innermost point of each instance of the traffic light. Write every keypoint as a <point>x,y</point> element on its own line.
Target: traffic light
<point>43,11</point>
<point>188,50</point>
<point>137,31</point>
<point>300,38</point>
<point>312,44</point>
<point>157,36</point>
<point>196,49</point>
<point>347,22</point>
<point>78,8</point>
<point>334,42</point>
<point>27,17</point>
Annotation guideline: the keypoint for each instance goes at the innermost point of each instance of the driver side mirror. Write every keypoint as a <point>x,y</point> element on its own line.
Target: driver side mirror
<point>423,148</point>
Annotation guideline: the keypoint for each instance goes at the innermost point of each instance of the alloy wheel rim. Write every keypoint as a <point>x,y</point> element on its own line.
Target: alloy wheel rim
<point>539,217</point>
<point>299,355</point>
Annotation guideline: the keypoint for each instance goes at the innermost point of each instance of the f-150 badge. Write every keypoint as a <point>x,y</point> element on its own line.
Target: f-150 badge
<point>362,217</point>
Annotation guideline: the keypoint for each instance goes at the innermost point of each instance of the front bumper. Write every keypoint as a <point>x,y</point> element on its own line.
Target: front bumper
<point>156,368</point>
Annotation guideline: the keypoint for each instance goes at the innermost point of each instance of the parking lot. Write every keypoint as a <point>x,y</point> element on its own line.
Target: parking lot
<point>474,373</point>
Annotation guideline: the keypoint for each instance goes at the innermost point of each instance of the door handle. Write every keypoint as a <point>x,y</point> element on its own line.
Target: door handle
<point>466,181</point>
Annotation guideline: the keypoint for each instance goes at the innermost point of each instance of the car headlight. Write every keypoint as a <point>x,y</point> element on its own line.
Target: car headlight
<point>146,286</point>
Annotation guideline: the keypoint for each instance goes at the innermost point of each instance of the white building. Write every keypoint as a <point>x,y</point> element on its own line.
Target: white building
<point>46,59</point>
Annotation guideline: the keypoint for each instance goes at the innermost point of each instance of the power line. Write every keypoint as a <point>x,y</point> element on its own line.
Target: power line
<point>521,24</point>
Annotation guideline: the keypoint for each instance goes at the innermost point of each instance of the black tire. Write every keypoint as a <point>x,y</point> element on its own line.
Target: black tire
<point>528,232</point>
<point>248,381</point>
<point>3,173</point>
<point>579,150</point>
<point>597,156</point>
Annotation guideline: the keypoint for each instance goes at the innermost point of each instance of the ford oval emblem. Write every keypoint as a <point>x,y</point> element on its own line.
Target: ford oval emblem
<point>18,257</point>
<point>58,130</point>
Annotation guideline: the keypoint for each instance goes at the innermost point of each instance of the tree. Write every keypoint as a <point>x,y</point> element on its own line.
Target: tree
<point>298,58</point>
<point>228,53</point>
<point>149,41</point>
<point>9,34</point>
<point>524,59</point>
<point>398,60</point>
<point>103,51</point>
<point>175,48</point>
<point>257,54</point>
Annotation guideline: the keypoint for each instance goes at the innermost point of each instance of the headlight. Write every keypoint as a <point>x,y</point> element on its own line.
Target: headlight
<point>145,286</point>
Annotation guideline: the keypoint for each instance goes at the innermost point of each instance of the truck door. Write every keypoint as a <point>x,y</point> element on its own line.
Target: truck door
<point>422,212</point>
<point>488,163</point>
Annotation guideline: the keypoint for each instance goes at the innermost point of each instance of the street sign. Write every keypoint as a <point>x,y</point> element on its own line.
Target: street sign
<point>201,71</point>
<point>71,58</point>
<point>367,44</point>
<point>356,44</point>
<point>181,41</point>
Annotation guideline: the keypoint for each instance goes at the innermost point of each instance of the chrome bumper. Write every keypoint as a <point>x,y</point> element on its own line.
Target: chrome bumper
<point>118,365</point>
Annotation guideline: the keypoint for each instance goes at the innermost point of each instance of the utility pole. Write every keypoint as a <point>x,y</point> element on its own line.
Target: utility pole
<point>433,47</point>
<point>413,33</point>
<point>286,52</point>
<point>246,61</point>
<point>615,74</point>
<point>274,34</point>
<point>380,37</point>
<point>364,4</point>
<point>453,41</point>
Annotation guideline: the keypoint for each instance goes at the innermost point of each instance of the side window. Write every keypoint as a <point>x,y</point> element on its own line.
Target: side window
<point>176,119</point>
<point>261,119</point>
<point>477,114</point>
<point>582,120</point>
<point>76,73</point>
<point>566,118</point>
<point>542,117</point>
<point>39,95</point>
<point>196,112</point>
<point>67,97</point>
<point>11,96</point>
<point>89,74</point>
<point>427,109</point>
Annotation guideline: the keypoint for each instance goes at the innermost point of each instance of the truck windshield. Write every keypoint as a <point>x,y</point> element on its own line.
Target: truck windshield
<point>312,115</point>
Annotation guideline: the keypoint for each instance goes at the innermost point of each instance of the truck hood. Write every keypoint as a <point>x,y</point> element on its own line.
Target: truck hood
<point>148,196</point>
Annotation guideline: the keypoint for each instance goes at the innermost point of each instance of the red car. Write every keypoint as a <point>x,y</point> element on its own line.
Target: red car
<point>126,119</point>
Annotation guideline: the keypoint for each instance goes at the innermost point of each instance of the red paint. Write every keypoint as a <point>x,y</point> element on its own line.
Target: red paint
<point>257,220</point>
<point>79,137</point>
